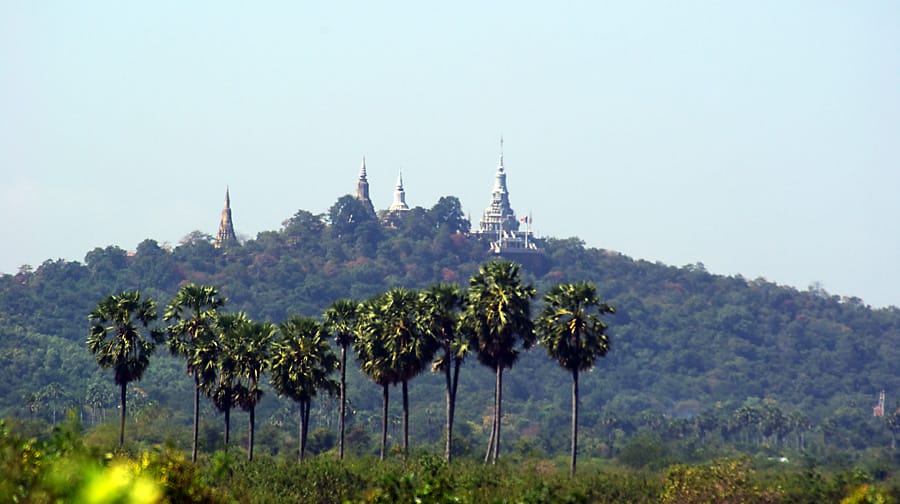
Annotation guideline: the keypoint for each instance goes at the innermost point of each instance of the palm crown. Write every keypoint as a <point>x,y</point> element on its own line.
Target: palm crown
<point>570,325</point>
<point>499,313</point>
<point>302,360</point>
<point>115,336</point>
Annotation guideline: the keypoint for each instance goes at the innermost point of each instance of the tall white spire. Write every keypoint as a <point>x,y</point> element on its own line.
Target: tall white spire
<point>500,178</point>
<point>399,203</point>
<point>499,217</point>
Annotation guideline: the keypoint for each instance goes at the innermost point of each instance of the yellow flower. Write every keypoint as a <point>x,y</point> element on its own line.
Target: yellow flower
<point>118,483</point>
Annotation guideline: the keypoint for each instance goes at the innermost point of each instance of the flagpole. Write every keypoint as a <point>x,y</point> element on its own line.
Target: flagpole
<point>527,229</point>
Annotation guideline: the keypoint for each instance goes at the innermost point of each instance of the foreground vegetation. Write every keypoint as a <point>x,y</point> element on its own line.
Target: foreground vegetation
<point>43,465</point>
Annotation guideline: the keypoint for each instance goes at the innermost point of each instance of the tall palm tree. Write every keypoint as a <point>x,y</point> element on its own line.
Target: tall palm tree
<point>571,330</point>
<point>373,356</point>
<point>226,391</point>
<point>747,418</point>
<point>341,320</point>
<point>251,360</point>
<point>191,316</point>
<point>409,348</point>
<point>117,340</point>
<point>499,318</point>
<point>302,362</point>
<point>442,307</point>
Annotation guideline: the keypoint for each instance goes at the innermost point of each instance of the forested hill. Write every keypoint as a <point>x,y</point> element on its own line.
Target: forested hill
<point>687,346</point>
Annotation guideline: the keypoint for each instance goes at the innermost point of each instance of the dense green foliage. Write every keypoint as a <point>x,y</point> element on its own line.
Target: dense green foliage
<point>64,466</point>
<point>700,365</point>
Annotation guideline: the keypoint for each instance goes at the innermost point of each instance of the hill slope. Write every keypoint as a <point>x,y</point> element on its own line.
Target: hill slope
<point>694,355</point>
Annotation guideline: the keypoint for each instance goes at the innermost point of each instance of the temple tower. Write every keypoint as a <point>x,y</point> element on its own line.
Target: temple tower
<point>399,204</point>
<point>500,227</point>
<point>499,217</point>
<point>362,189</point>
<point>395,213</point>
<point>226,226</point>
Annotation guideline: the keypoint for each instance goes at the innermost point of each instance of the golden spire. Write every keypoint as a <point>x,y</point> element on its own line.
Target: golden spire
<point>226,226</point>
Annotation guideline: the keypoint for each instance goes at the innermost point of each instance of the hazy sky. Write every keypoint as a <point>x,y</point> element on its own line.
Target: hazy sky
<point>760,138</point>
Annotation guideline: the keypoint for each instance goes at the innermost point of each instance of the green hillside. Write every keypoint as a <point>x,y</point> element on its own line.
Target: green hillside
<point>699,363</point>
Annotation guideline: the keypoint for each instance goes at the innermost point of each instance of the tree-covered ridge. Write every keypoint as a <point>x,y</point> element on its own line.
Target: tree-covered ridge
<point>693,355</point>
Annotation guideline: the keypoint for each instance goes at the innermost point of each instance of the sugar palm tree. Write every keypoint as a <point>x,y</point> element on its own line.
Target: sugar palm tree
<point>118,339</point>
<point>251,361</point>
<point>302,362</point>
<point>191,316</point>
<point>226,391</point>
<point>341,319</point>
<point>571,331</point>
<point>409,348</point>
<point>499,318</point>
<point>374,360</point>
<point>442,307</point>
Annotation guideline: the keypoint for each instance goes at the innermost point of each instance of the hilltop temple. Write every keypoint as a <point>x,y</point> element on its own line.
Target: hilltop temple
<point>499,224</point>
<point>226,226</point>
<point>395,213</point>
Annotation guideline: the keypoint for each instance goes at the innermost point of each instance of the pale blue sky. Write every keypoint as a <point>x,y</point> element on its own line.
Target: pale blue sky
<point>760,138</point>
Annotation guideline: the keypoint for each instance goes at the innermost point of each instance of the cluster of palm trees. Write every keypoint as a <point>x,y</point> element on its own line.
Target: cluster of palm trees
<point>396,335</point>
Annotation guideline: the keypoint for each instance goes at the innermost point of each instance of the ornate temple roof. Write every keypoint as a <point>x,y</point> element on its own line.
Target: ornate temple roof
<point>226,226</point>
<point>499,215</point>
<point>362,188</point>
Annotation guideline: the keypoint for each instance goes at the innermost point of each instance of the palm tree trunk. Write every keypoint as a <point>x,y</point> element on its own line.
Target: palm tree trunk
<point>457,364</point>
<point>451,406</point>
<point>252,426</point>
<point>490,448</point>
<point>498,415</point>
<point>343,402</point>
<point>574,421</point>
<point>405,417</point>
<point>487,455</point>
<point>122,416</point>
<point>449,428</point>
<point>196,416</point>
<point>304,418</point>
<point>227,427</point>
<point>306,424</point>
<point>384,419</point>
